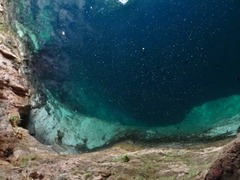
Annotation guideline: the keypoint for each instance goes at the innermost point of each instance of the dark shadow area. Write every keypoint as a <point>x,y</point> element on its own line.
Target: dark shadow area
<point>24,116</point>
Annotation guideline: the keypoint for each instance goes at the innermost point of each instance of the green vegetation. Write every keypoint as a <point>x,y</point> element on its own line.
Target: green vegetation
<point>26,160</point>
<point>14,120</point>
<point>124,158</point>
<point>87,175</point>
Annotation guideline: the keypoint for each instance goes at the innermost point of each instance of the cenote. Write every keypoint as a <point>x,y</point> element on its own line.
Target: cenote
<point>133,69</point>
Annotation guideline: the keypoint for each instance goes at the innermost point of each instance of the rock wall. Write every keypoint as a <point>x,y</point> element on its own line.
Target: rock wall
<point>15,141</point>
<point>14,87</point>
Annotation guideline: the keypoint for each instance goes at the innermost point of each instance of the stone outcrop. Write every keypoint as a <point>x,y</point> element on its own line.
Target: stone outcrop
<point>227,165</point>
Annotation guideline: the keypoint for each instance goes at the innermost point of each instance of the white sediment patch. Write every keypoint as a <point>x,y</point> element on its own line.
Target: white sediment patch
<point>123,2</point>
<point>228,127</point>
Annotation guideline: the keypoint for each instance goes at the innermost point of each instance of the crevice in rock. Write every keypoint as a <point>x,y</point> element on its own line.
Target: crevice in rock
<point>24,115</point>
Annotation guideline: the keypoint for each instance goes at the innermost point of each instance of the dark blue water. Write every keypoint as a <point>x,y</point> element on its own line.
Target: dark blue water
<point>148,62</point>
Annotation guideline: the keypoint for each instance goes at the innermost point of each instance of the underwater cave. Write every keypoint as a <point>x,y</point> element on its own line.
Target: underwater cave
<point>146,70</point>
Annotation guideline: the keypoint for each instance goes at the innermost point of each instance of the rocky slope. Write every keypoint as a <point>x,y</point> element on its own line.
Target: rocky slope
<point>22,157</point>
<point>122,161</point>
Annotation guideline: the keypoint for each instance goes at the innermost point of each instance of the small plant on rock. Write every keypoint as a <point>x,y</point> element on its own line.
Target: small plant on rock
<point>124,158</point>
<point>14,120</point>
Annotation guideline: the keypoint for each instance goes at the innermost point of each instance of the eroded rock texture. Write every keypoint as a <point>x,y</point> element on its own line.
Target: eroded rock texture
<point>227,166</point>
<point>14,90</point>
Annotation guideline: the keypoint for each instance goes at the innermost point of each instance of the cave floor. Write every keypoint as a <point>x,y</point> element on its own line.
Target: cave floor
<point>25,158</point>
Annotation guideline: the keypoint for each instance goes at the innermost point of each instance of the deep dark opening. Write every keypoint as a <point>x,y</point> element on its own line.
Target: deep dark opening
<point>24,116</point>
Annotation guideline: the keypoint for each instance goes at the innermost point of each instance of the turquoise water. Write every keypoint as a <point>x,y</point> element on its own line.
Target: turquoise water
<point>138,63</point>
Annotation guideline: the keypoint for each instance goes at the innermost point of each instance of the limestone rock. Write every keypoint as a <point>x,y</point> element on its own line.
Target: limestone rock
<point>7,52</point>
